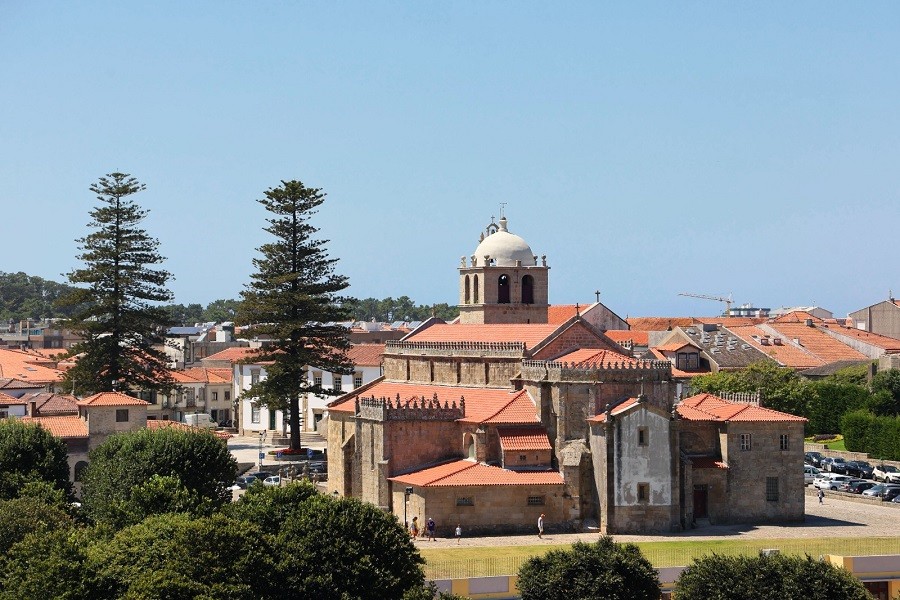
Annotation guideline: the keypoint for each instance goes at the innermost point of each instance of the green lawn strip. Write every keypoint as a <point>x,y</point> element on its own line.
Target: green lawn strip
<point>505,560</point>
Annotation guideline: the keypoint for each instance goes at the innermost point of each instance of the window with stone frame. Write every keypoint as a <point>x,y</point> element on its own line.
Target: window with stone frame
<point>317,378</point>
<point>357,380</point>
<point>783,442</point>
<point>227,395</point>
<point>338,382</point>
<point>465,501</point>
<point>771,489</point>
<point>215,396</point>
<point>254,413</point>
<point>643,436</point>
<point>746,441</point>
<point>121,415</point>
<point>536,500</point>
<point>254,376</point>
<point>643,492</point>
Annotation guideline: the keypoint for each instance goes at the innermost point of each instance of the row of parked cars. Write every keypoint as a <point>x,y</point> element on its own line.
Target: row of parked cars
<point>854,468</point>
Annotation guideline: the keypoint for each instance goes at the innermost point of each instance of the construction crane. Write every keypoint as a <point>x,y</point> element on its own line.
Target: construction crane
<point>727,300</point>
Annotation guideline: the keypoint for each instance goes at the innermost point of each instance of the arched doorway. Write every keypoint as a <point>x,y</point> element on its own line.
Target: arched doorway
<point>503,289</point>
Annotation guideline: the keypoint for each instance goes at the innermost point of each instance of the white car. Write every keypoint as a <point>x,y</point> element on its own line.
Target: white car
<point>832,482</point>
<point>809,474</point>
<point>272,481</point>
<point>886,473</point>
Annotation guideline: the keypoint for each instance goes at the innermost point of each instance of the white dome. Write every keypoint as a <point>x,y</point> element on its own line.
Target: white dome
<point>504,248</point>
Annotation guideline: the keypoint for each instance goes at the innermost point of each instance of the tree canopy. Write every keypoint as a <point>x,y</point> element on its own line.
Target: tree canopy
<point>118,312</point>
<point>604,570</point>
<point>150,471</point>
<point>716,577</point>
<point>293,298</point>
<point>24,296</point>
<point>29,453</point>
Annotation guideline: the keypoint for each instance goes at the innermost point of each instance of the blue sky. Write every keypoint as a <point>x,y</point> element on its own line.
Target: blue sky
<point>647,149</point>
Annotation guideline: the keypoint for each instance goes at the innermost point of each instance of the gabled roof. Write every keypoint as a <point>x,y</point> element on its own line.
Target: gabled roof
<point>111,399</point>
<point>524,438</point>
<point>557,314</point>
<point>675,346</point>
<point>366,355</point>
<point>616,410</point>
<point>676,372</point>
<point>47,404</point>
<point>203,375</point>
<point>658,323</point>
<point>28,367</point>
<point>233,354</point>
<point>155,424</point>
<point>639,338</point>
<point>467,473</point>
<point>529,334</point>
<point>483,405</point>
<point>708,407</point>
<point>592,356</point>
<point>7,400</point>
<point>888,344</point>
<point>62,427</point>
<point>10,383</point>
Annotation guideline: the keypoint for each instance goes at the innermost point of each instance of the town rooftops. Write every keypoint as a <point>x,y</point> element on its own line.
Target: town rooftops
<point>593,356</point>
<point>7,400</point>
<point>47,404</point>
<point>707,407</point>
<point>463,473</point>
<point>616,410</point>
<point>366,355</point>
<point>528,334</point>
<point>65,427</point>
<point>523,438</point>
<point>233,354</point>
<point>24,366</point>
<point>111,399</point>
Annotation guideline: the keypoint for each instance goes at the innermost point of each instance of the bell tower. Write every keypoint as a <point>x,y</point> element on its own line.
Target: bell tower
<point>503,282</point>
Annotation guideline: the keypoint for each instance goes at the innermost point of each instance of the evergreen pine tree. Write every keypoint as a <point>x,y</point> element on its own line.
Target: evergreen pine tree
<point>117,311</point>
<point>292,298</point>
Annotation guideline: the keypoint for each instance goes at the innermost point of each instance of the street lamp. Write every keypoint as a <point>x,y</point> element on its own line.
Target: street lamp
<point>406,494</point>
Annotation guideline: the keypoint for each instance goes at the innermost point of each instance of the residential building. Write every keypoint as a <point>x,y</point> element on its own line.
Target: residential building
<point>882,318</point>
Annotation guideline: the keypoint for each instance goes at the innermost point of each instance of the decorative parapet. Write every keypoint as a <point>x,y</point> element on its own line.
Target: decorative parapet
<point>497,349</point>
<point>742,397</point>
<point>645,370</point>
<point>420,409</point>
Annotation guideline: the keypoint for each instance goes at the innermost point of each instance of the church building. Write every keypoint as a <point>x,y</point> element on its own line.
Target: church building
<point>506,414</point>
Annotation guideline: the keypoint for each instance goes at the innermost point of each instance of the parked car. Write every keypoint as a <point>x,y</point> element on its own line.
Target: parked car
<point>813,458</point>
<point>244,481</point>
<point>845,486</point>
<point>261,475</point>
<point>809,474</point>
<point>272,481</point>
<point>833,482</point>
<point>890,493</point>
<point>886,473</point>
<point>836,464</point>
<point>879,489</point>
<point>859,468</point>
<point>858,487</point>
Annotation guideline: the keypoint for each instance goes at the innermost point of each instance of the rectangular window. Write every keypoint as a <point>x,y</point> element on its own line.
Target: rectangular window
<point>642,436</point>
<point>357,380</point>
<point>783,441</point>
<point>121,415</point>
<point>228,395</point>
<point>536,500</point>
<point>643,490</point>
<point>254,376</point>
<point>4,413</point>
<point>317,379</point>
<point>465,501</point>
<point>771,489</point>
<point>215,396</point>
<point>523,458</point>
<point>254,413</point>
<point>338,382</point>
<point>745,441</point>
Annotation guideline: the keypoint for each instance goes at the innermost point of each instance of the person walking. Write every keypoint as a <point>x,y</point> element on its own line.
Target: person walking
<point>458,533</point>
<point>541,526</point>
<point>429,528</point>
<point>414,528</point>
<point>821,495</point>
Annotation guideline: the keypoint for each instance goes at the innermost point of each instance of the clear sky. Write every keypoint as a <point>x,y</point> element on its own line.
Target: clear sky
<point>646,148</point>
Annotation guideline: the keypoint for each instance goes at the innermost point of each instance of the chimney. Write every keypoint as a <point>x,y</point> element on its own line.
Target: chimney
<point>33,409</point>
<point>809,322</point>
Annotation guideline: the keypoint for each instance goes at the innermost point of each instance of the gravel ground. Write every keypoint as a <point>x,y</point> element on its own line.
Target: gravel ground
<point>834,518</point>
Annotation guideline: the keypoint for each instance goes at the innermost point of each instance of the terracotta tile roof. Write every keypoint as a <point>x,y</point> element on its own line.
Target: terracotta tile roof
<point>797,316</point>
<point>557,314</point>
<point>111,399</point>
<point>524,438</point>
<point>233,354</point>
<point>61,427</point>
<point>366,355</point>
<point>818,343</point>
<point>676,372</point>
<point>203,375</point>
<point>16,364</point>
<point>658,323</point>
<point>467,473</point>
<point>639,338</point>
<point>787,354</point>
<point>8,383</point>
<point>888,344</point>
<point>7,400</point>
<point>730,321</point>
<point>47,404</point>
<point>160,424</point>
<point>707,407</point>
<point>618,409</point>
<point>674,346</point>
<point>531,335</point>
<point>497,405</point>
<point>707,462</point>
<point>592,356</point>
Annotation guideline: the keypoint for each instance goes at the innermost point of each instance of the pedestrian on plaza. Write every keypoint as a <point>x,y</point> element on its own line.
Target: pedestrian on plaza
<point>429,528</point>
<point>541,526</point>
<point>458,533</point>
<point>414,528</point>
<point>821,495</point>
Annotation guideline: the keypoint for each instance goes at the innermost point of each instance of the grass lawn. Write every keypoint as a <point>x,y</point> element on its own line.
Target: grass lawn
<point>838,445</point>
<point>505,560</point>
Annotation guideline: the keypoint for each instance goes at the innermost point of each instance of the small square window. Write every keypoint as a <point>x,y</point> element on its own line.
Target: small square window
<point>536,500</point>
<point>643,436</point>
<point>522,458</point>
<point>465,501</point>
<point>783,443</point>
<point>746,441</point>
<point>771,489</point>
<point>121,415</point>
<point>643,491</point>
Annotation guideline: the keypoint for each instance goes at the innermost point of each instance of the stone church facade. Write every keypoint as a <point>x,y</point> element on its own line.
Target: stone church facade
<point>500,417</point>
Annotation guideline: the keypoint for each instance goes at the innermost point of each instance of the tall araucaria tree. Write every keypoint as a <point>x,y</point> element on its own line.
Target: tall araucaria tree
<point>118,312</point>
<point>292,297</point>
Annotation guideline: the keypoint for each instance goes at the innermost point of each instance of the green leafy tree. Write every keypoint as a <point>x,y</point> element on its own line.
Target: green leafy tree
<point>829,401</point>
<point>21,516</point>
<point>716,577</point>
<point>192,468</point>
<point>888,382</point>
<point>24,296</point>
<point>47,564</point>
<point>29,453</point>
<point>603,570</point>
<point>292,297</point>
<point>221,310</point>
<point>855,374</point>
<point>270,507</point>
<point>176,557</point>
<point>120,315</point>
<point>781,388</point>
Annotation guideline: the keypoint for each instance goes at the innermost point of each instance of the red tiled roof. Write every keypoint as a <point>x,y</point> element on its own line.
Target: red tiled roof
<point>797,316</point>
<point>494,405</point>
<point>815,341</point>
<point>16,364</point>
<point>639,338</point>
<point>531,334</point>
<point>676,372</point>
<point>592,356</point>
<point>7,400</point>
<point>11,383</point>
<point>203,375</point>
<point>658,323</point>
<point>731,321</point>
<point>704,462</point>
<point>674,346</point>
<point>111,399</point>
<point>524,438</point>
<point>366,355</point>
<point>786,354</point>
<point>888,344</point>
<point>467,473</point>
<point>618,409</point>
<point>557,314</point>
<point>234,354</point>
<point>47,404</point>
<point>707,407</point>
<point>159,424</point>
<point>61,427</point>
